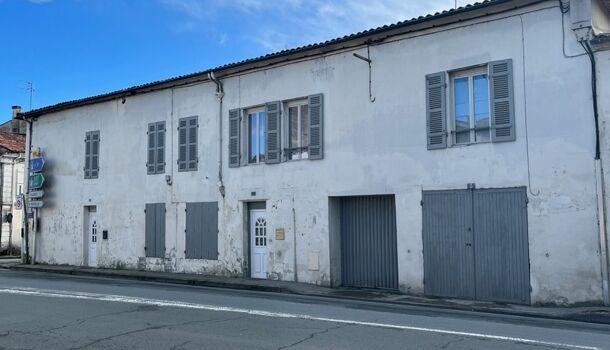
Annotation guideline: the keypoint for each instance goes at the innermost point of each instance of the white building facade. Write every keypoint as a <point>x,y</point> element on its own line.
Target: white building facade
<point>458,162</point>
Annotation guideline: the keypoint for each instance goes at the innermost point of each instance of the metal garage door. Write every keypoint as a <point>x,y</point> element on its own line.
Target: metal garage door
<point>368,242</point>
<point>448,252</point>
<point>476,244</point>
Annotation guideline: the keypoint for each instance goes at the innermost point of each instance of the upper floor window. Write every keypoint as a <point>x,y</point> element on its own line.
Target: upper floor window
<point>187,143</point>
<point>92,154</point>
<point>277,132</point>
<point>470,106</point>
<point>257,136</point>
<point>155,162</point>
<point>298,126</point>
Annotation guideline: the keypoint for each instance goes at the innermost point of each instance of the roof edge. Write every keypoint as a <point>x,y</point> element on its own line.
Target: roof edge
<point>285,55</point>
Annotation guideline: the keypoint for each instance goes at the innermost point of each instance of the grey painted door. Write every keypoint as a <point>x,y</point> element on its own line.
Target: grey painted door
<point>155,230</point>
<point>476,244</point>
<point>368,242</point>
<point>501,250</point>
<point>448,238</point>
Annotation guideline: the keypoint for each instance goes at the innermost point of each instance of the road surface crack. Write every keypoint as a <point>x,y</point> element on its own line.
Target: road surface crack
<point>100,340</point>
<point>312,335</point>
<point>451,342</point>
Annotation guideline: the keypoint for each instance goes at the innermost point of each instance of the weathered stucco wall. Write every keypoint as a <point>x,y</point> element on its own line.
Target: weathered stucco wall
<point>370,148</point>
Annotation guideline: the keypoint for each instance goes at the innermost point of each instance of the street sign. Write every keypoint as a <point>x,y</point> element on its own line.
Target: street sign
<point>36,164</point>
<point>36,180</point>
<point>36,194</point>
<point>35,204</point>
<point>19,202</point>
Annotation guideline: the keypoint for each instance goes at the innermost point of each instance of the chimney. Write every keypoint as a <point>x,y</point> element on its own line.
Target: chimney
<point>16,110</point>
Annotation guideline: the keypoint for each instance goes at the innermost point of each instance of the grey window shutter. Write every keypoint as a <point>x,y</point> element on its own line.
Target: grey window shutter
<point>316,126</point>
<point>234,144</point>
<point>150,161</point>
<point>160,149</point>
<point>87,167</point>
<point>436,115</point>
<point>95,154</point>
<point>160,230</point>
<point>182,147</point>
<point>273,135</point>
<point>209,241</point>
<point>502,101</point>
<point>192,144</point>
<point>154,230</point>
<point>150,243</point>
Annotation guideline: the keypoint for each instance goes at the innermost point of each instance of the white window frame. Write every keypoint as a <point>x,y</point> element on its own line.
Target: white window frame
<point>248,112</point>
<point>304,153</point>
<point>470,73</point>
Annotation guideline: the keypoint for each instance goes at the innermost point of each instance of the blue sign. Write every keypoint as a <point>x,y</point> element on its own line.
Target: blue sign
<point>36,164</point>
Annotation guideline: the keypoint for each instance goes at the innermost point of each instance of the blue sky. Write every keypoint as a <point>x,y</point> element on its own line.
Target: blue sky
<point>75,48</point>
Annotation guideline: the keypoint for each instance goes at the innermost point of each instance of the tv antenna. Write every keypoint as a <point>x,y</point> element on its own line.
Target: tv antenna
<point>30,88</point>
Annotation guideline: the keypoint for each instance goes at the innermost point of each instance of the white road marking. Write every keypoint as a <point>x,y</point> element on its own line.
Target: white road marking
<point>179,304</point>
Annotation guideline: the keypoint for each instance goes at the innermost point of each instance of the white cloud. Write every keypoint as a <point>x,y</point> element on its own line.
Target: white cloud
<point>298,22</point>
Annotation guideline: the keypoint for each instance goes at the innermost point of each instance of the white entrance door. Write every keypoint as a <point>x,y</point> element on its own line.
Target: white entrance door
<point>92,252</point>
<point>258,243</point>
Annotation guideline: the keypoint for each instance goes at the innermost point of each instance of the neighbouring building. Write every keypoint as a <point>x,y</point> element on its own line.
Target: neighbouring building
<point>12,155</point>
<point>452,155</point>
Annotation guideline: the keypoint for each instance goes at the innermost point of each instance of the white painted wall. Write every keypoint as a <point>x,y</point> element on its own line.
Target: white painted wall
<point>12,179</point>
<point>370,148</point>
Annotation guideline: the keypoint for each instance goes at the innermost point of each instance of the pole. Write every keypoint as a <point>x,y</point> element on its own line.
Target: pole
<point>26,184</point>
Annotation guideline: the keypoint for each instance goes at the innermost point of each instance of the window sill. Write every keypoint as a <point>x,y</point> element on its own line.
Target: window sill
<point>458,145</point>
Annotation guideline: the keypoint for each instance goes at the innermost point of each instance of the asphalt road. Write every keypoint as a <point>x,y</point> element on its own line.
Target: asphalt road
<point>48,311</point>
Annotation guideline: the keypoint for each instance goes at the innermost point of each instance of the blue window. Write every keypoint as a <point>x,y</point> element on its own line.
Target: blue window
<point>470,107</point>
<point>256,134</point>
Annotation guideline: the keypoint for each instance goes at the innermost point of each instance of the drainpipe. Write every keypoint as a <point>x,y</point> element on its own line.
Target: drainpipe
<point>603,240</point>
<point>219,95</point>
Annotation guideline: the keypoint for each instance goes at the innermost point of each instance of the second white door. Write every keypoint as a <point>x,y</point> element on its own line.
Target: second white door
<point>258,243</point>
<point>92,251</point>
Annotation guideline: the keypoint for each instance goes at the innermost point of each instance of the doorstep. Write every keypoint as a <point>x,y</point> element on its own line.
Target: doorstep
<point>592,314</point>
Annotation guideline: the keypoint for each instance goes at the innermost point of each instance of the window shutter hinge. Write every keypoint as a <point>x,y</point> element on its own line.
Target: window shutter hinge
<point>421,203</point>
<point>145,248</point>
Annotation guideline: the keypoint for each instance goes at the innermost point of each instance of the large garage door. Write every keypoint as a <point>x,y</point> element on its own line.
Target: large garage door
<point>368,242</point>
<point>476,244</point>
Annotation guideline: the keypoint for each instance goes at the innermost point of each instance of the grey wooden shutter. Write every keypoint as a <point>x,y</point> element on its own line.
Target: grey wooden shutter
<point>160,230</point>
<point>192,242</point>
<point>210,231</point>
<point>150,242</point>
<point>201,241</point>
<point>154,230</point>
<point>273,144</point>
<point>502,101</point>
<point>436,115</point>
<point>87,167</point>
<point>151,150</point>
<point>95,154</point>
<point>182,147</point>
<point>192,158</point>
<point>160,149</point>
<point>234,144</point>
<point>316,126</point>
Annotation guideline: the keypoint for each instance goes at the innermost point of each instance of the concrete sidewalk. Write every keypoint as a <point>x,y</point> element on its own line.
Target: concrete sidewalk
<point>594,314</point>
